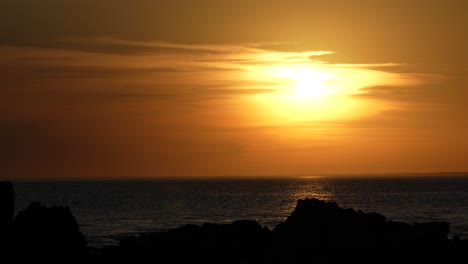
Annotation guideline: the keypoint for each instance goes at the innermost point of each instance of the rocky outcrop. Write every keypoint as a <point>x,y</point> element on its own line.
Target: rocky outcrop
<point>44,231</point>
<point>39,231</point>
<point>239,241</point>
<point>7,208</point>
<point>320,224</point>
<point>315,232</point>
<point>7,204</point>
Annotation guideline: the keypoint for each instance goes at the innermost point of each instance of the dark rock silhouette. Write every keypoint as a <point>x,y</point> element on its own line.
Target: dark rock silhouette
<point>47,231</point>
<point>243,240</point>
<point>39,231</point>
<point>314,231</point>
<point>7,208</point>
<point>322,224</point>
<point>7,204</point>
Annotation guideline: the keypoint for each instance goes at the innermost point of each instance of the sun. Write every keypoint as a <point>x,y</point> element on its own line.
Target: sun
<point>301,92</point>
<point>309,83</point>
<point>308,93</point>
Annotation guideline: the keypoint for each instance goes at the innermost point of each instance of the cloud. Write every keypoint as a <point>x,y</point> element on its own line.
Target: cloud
<point>388,93</point>
<point>415,88</point>
<point>120,69</point>
<point>137,69</point>
<point>248,53</point>
<point>121,46</point>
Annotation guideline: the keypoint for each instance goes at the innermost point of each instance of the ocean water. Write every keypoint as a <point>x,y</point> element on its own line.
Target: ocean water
<point>107,210</point>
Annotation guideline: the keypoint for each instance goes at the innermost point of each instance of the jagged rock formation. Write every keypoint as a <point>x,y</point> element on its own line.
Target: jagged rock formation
<point>7,204</point>
<point>39,231</point>
<point>7,208</point>
<point>211,243</point>
<point>317,231</point>
<point>47,231</point>
<point>320,224</point>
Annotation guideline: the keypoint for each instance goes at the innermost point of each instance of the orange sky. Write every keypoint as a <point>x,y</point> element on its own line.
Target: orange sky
<point>224,88</point>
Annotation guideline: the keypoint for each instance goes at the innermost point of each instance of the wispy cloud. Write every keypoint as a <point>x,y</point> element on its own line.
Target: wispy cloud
<point>107,57</point>
<point>203,71</point>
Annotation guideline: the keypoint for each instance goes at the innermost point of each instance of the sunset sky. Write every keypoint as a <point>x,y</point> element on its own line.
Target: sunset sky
<point>114,88</point>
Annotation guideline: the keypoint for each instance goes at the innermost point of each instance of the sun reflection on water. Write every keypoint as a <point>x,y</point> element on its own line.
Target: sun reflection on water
<point>320,188</point>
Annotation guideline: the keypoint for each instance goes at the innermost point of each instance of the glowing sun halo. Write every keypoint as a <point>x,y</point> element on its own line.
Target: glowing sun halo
<point>306,92</point>
<point>308,83</point>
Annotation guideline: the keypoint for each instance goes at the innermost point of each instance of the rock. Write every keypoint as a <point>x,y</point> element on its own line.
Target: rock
<point>7,208</point>
<point>7,204</point>
<point>47,232</point>
<point>319,224</point>
<point>315,232</point>
<point>237,242</point>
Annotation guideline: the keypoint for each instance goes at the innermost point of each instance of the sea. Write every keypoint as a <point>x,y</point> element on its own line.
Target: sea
<point>108,210</point>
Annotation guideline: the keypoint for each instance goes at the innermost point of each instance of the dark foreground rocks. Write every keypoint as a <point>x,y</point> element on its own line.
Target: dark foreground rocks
<point>319,224</point>
<point>39,232</point>
<point>315,232</point>
<point>7,204</point>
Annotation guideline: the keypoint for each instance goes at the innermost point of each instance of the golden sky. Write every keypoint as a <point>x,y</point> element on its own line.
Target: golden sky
<point>113,88</point>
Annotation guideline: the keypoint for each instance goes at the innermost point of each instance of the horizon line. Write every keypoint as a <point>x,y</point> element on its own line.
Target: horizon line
<point>247,177</point>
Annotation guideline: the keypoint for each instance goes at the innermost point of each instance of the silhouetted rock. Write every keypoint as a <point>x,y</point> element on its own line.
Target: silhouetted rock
<point>319,224</point>
<point>47,232</point>
<point>240,241</point>
<point>7,204</point>
<point>7,208</point>
<point>313,232</point>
